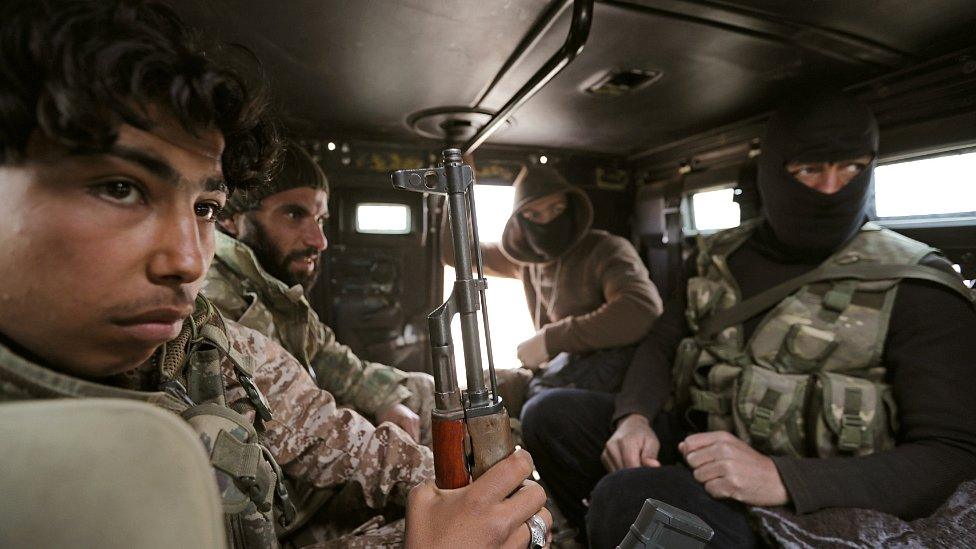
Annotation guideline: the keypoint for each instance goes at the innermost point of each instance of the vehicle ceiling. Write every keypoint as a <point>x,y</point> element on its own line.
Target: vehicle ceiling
<point>361,67</point>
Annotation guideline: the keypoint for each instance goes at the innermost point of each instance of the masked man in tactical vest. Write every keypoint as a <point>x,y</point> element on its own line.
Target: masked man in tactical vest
<point>811,360</point>
<point>268,254</point>
<point>587,290</point>
<point>119,142</point>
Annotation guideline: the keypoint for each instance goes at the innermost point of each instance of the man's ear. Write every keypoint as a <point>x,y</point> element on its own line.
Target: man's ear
<point>233,225</point>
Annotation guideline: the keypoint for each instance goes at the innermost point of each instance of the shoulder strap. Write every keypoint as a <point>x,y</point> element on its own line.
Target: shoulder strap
<point>867,271</point>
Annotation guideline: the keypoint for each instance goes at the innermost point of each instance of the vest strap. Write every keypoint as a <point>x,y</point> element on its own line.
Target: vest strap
<point>851,424</point>
<point>287,506</point>
<point>243,367</point>
<point>762,419</point>
<point>840,296</point>
<point>261,406</point>
<point>215,336</point>
<point>240,461</point>
<point>236,458</point>
<point>708,401</point>
<point>749,308</point>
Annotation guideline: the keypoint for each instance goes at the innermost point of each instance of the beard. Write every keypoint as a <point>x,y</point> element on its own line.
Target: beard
<point>276,262</point>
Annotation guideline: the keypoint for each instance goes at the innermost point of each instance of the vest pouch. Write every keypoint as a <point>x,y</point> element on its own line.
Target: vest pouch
<point>245,479</point>
<point>716,400</point>
<point>805,349</point>
<point>857,416</point>
<point>769,410</point>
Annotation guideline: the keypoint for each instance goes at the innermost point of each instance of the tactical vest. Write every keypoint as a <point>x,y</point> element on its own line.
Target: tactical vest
<point>191,384</point>
<point>810,381</point>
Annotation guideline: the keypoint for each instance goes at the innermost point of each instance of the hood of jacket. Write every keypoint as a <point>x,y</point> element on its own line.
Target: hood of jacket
<point>533,184</point>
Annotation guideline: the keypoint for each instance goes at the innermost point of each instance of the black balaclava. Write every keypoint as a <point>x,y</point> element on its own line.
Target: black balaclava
<point>824,128</point>
<point>550,240</point>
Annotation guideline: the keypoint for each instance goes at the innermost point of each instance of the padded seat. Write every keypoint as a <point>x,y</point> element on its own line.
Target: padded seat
<point>104,473</point>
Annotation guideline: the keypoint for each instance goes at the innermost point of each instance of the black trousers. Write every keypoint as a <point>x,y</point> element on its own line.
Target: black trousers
<point>566,430</point>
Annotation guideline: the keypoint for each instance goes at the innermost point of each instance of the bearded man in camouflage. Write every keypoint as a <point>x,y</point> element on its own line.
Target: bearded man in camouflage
<point>120,140</point>
<point>267,256</point>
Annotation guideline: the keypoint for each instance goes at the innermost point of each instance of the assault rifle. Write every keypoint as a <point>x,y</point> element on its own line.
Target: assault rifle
<point>470,430</point>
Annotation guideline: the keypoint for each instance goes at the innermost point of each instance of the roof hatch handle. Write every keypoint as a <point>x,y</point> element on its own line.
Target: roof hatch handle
<point>579,31</point>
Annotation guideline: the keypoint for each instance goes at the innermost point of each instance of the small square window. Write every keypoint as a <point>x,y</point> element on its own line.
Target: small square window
<point>373,218</point>
<point>714,209</point>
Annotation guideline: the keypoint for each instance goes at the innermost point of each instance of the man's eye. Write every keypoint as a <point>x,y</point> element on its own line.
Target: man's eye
<point>208,211</point>
<point>120,192</point>
<point>804,171</point>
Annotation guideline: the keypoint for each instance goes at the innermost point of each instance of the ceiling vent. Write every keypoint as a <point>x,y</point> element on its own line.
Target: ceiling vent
<point>616,82</point>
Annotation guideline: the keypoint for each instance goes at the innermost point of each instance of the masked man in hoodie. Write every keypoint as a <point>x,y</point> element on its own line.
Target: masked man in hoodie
<point>587,290</point>
<point>843,380</point>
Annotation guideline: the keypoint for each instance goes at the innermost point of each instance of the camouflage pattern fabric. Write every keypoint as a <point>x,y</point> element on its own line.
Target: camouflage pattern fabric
<point>247,478</point>
<point>815,357</point>
<point>244,292</point>
<point>374,534</point>
<point>312,439</point>
<point>319,443</point>
<point>421,401</point>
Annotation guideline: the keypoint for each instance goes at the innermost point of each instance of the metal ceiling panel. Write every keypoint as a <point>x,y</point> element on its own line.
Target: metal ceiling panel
<point>710,77</point>
<point>364,65</point>
<point>911,26</point>
<point>361,67</point>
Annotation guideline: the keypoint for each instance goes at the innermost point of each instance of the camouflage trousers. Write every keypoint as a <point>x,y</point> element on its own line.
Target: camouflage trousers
<point>345,520</point>
<point>332,528</point>
<point>374,534</point>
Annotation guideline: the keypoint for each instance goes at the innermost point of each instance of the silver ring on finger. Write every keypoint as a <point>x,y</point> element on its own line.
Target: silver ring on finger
<point>537,532</point>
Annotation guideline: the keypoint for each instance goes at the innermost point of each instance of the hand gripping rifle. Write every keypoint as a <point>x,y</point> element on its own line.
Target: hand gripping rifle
<point>476,419</point>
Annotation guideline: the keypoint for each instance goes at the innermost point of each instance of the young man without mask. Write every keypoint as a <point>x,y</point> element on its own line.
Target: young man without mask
<point>119,142</point>
<point>885,363</point>
<point>282,223</point>
<point>587,290</point>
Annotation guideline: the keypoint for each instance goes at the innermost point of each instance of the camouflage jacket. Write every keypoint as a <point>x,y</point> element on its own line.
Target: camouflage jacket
<point>245,292</point>
<point>309,437</point>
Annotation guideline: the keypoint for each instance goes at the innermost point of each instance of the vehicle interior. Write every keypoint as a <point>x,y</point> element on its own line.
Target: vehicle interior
<point>653,107</point>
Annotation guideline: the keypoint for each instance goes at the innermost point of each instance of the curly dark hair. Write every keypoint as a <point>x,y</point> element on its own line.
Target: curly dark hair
<point>78,69</point>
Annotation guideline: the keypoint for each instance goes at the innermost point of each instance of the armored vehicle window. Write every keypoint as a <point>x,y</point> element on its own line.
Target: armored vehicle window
<point>372,218</point>
<point>713,209</point>
<point>931,188</point>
